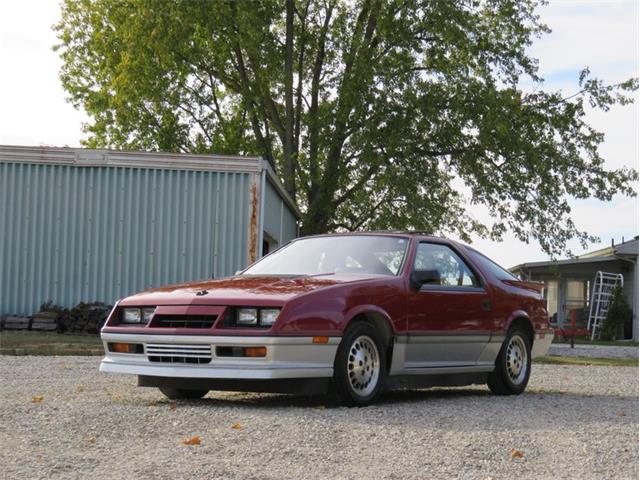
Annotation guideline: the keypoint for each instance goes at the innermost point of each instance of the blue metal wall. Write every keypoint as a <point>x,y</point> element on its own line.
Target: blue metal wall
<point>280,222</point>
<point>72,234</point>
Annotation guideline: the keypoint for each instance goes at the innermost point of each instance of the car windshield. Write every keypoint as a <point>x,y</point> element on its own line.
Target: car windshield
<point>358,254</point>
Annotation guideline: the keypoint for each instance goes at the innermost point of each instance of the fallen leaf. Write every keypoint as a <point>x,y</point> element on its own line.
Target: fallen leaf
<point>37,399</point>
<point>116,397</point>
<point>622,414</point>
<point>195,440</point>
<point>236,426</point>
<point>516,453</point>
<point>91,440</point>
<point>80,388</point>
<point>173,406</point>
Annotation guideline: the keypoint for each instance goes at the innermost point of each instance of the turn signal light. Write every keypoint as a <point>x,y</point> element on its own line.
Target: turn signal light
<point>321,340</point>
<point>255,351</point>
<point>125,347</point>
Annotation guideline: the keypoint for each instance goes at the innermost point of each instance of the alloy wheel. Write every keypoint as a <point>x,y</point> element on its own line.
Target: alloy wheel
<point>363,366</point>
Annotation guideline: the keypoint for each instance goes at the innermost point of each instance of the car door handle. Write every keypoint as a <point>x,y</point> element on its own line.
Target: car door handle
<point>486,305</point>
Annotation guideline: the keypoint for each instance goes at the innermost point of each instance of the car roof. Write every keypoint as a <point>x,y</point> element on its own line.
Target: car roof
<point>393,233</point>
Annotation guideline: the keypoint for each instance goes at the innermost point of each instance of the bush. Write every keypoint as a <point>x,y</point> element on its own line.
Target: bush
<point>618,314</point>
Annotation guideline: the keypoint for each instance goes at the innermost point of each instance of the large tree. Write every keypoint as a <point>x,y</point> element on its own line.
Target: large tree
<point>373,113</point>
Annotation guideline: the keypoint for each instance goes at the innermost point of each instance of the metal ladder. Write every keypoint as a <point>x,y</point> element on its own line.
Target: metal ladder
<point>603,287</point>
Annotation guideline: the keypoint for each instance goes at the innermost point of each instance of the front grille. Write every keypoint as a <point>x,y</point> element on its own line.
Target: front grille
<point>169,353</point>
<point>183,321</point>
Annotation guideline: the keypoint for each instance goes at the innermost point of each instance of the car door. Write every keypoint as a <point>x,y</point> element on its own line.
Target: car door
<point>448,318</point>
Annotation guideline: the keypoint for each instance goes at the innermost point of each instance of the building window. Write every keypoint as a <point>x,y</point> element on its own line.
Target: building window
<point>551,296</point>
<point>576,294</point>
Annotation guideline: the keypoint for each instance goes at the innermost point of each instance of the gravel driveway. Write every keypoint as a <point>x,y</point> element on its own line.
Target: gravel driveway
<point>573,422</point>
<point>593,351</point>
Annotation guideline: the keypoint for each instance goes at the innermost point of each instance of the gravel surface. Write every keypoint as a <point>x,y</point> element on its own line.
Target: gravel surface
<point>593,351</point>
<point>60,418</point>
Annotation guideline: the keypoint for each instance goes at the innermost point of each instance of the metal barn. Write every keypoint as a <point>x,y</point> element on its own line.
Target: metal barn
<point>80,225</point>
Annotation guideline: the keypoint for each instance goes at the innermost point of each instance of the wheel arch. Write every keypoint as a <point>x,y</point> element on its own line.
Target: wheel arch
<point>379,319</point>
<point>521,318</point>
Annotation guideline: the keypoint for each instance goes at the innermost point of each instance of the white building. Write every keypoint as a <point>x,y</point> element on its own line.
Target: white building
<point>569,282</point>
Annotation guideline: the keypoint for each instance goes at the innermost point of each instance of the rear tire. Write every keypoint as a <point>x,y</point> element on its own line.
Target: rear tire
<point>359,369</point>
<point>182,394</point>
<point>513,365</point>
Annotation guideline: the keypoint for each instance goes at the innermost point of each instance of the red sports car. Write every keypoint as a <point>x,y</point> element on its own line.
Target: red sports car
<point>348,315</point>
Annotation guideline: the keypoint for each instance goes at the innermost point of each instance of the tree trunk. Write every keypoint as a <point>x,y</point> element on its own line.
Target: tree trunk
<point>288,171</point>
<point>319,213</point>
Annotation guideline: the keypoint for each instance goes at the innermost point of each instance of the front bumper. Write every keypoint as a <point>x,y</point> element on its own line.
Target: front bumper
<point>541,344</point>
<point>287,357</point>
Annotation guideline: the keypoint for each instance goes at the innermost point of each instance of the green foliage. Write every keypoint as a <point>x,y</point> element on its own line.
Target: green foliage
<point>373,113</point>
<point>619,314</point>
<point>604,362</point>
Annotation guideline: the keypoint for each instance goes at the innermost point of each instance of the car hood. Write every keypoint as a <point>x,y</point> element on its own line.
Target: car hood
<point>240,289</point>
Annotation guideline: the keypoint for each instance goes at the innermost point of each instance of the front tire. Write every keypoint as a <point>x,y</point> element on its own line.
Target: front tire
<point>359,368</point>
<point>513,365</point>
<point>182,394</point>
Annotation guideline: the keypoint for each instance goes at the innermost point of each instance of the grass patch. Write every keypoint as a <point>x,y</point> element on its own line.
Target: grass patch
<point>607,362</point>
<point>48,343</point>
<point>586,341</point>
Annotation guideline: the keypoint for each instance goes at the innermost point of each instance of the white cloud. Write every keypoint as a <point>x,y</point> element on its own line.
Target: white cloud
<point>34,110</point>
<point>603,35</point>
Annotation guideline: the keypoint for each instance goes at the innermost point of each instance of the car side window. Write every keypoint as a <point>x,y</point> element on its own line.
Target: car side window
<point>451,270</point>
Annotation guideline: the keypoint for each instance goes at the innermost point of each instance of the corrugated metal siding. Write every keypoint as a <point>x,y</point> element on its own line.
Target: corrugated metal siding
<point>272,205</point>
<point>289,225</point>
<point>72,234</point>
<point>279,221</point>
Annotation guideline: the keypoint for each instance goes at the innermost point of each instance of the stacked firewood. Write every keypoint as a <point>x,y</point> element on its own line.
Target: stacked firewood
<point>83,318</point>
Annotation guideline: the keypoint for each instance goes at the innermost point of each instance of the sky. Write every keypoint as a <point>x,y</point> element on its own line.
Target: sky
<point>603,35</point>
<point>600,34</point>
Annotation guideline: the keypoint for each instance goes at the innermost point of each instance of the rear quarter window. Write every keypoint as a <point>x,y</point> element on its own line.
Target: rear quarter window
<point>486,264</point>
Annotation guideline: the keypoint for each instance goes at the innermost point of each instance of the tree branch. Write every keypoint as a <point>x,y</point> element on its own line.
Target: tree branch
<point>314,124</point>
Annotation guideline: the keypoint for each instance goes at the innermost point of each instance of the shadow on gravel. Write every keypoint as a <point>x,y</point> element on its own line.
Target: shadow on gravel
<point>270,400</point>
<point>585,408</point>
<point>256,400</point>
<point>421,395</point>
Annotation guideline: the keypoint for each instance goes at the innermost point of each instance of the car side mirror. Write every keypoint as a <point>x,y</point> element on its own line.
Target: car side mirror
<point>422,277</point>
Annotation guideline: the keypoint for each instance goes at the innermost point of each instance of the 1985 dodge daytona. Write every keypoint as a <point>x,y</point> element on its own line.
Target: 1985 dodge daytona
<point>347,314</point>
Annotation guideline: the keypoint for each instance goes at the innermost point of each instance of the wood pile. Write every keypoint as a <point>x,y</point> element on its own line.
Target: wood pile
<point>83,318</point>
<point>45,321</point>
<point>11,322</point>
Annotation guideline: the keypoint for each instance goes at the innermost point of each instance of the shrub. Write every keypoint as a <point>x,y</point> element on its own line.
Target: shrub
<point>618,314</point>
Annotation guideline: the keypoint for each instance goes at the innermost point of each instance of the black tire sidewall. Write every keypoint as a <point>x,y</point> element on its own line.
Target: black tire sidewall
<point>341,383</point>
